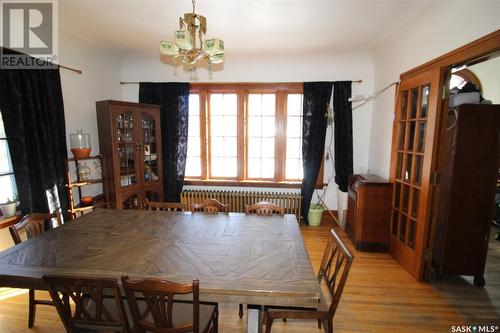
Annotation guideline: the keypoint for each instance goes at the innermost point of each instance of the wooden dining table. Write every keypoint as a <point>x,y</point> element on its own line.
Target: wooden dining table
<point>238,258</point>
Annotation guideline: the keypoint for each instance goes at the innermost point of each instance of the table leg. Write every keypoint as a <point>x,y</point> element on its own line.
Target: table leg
<point>254,319</point>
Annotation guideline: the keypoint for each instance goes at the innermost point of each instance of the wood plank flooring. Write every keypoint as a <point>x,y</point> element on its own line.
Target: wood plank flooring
<point>379,297</point>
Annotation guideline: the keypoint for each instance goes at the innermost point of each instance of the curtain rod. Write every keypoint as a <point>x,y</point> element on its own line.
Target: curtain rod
<point>136,82</point>
<point>60,66</point>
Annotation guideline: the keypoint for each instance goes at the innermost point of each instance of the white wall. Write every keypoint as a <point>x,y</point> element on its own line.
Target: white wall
<point>99,81</point>
<point>439,28</point>
<point>275,68</point>
<point>488,73</point>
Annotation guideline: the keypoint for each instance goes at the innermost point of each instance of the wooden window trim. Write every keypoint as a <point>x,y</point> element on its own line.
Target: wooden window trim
<point>242,90</point>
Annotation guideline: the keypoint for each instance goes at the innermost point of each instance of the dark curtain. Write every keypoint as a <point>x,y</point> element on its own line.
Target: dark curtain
<point>316,100</point>
<point>32,109</point>
<point>174,101</point>
<point>342,119</point>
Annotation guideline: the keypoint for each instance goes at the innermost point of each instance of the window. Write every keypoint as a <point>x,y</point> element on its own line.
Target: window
<point>8,188</point>
<point>245,133</point>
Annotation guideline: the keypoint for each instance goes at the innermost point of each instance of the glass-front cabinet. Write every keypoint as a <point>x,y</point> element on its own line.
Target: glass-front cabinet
<point>129,139</point>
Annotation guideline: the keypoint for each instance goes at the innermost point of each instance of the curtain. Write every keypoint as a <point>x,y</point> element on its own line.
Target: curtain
<point>32,109</point>
<point>342,119</point>
<point>174,101</point>
<point>314,122</point>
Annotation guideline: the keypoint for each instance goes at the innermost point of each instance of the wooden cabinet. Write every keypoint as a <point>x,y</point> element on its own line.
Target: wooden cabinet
<point>368,212</point>
<point>466,192</point>
<point>130,143</point>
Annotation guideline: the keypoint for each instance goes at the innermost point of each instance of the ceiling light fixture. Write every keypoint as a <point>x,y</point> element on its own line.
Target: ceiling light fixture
<point>190,44</point>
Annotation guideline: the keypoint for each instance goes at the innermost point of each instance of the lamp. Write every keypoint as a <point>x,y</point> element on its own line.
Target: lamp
<point>190,44</point>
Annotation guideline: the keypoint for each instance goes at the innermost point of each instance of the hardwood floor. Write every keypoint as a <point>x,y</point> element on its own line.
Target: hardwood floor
<point>379,297</point>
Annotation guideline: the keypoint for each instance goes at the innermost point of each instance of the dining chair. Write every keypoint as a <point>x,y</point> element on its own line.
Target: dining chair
<point>157,311</point>
<point>97,302</point>
<point>210,206</point>
<point>261,208</point>
<point>167,206</point>
<point>264,208</point>
<point>333,272</point>
<point>33,225</point>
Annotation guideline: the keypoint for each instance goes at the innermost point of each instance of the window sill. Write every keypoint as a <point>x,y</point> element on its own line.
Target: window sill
<point>246,183</point>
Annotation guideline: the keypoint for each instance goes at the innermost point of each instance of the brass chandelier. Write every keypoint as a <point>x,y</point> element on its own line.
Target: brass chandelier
<point>190,44</point>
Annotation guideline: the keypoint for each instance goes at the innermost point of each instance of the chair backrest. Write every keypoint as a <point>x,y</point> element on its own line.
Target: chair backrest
<point>167,206</point>
<point>334,268</point>
<point>210,206</point>
<point>88,295</point>
<point>33,224</point>
<point>159,299</point>
<point>264,208</point>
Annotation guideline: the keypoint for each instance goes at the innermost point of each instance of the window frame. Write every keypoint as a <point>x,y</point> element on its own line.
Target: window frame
<point>242,90</point>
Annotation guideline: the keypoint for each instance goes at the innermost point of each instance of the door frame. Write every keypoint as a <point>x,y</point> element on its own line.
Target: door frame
<point>479,50</point>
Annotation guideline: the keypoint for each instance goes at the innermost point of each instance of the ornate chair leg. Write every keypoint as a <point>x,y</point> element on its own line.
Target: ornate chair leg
<point>31,309</point>
<point>241,311</point>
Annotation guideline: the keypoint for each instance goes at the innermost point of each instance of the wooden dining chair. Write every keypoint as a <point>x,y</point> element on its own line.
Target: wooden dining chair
<point>153,308</point>
<point>210,206</point>
<point>261,208</point>
<point>33,225</point>
<point>333,271</point>
<point>167,206</point>
<point>264,208</point>
<point>97,302</point>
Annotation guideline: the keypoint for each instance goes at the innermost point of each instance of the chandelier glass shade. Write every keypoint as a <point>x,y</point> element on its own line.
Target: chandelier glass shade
<point>190,44</point>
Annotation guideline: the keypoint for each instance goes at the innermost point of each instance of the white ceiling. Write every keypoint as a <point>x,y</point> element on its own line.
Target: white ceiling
<point>272,26</point>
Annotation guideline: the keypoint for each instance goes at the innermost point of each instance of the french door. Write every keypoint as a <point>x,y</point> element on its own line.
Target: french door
<point>412,163</point>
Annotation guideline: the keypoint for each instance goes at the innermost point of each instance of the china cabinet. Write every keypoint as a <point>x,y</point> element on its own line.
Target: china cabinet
<point>130,143</point>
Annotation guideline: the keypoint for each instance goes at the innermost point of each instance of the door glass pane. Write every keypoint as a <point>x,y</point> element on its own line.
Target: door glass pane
<point>126,148</point>
<point>404,104</point>
<point>401,138</point>
<point>397,192</point>
<point>152,196</point>
<point>399,169</point>
<point>418,169</point>
<point>415,202</point>
<point>414,103</point>
<point>411,233</point>
<point>408,169</point>
<point>193,160</point>
<point>131,202</point>
<point>425,101</point>
<point>394,228</point>
<point>402,228</point>
<point>411,135</point>
<point>149,152</point>
<point>421,136</point>
<point>404,199</point>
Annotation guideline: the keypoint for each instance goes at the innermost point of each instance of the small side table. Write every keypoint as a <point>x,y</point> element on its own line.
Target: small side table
<point>368,212</point>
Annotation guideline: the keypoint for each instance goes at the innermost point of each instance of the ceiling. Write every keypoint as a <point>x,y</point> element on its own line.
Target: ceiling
<point>272,26</point>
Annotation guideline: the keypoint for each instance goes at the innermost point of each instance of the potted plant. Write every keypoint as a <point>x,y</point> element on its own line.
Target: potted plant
<point>315,212</point>
<point>9,207</point>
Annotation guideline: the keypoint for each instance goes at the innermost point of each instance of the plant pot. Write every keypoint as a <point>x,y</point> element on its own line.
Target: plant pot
<point>315,213</point>
<point>8,210</point>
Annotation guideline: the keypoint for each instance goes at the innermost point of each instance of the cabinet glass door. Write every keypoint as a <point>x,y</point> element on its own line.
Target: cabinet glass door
<point>125,140</point>
<point>149,149</point>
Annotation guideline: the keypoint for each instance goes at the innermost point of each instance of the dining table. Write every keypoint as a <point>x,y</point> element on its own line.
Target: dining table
<point>238,258</point>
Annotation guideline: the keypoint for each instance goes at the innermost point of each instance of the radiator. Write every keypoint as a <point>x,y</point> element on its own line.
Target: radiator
<point>237,200</point>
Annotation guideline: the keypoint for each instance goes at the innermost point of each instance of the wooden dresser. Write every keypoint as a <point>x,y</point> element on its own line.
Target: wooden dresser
<point>368,212</point>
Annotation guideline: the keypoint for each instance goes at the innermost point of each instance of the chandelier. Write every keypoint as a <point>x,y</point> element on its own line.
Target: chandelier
<point>190,44</point>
